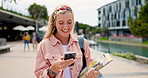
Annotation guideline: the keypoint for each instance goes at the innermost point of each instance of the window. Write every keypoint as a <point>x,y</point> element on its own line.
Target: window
<point>123,14</point>
<point>115,15</point>
<point>103,10</point>
<point>120,6</point>
<point>140,2</point>
<point>109,24</point>
<point>99,12</point>
<point>133,13</point>
<point>110,9</point>
<point>133,2</point>
<point>118,23</point>
<point>117,6</point>
<point>119,15</point>
<point>127,3</point>
<point>123,23</point>
<point>137,1</point>
<point>99,18</point>
<point>112,17</point>
<point>99,25</point>
<point>108,17</point>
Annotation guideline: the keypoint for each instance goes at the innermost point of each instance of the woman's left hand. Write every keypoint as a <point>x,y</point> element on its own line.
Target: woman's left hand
<point>92,73</point>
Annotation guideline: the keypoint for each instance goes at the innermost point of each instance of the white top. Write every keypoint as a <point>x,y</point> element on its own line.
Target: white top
<point>34,35</point>
<point>67,72</point>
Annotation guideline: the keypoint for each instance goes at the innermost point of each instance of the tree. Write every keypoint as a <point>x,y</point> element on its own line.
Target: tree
<point>96,30</point>
<point>136,11</point>
<point>83,26</point>
<point>105,31</point>
<point>38,12</point>
<point>139,26</point>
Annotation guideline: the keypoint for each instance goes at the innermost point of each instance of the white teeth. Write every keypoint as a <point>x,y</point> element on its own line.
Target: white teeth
<point>65,30</point>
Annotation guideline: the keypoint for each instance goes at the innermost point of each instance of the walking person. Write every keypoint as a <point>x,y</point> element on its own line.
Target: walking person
<point>59,39</point>
<point>26,39</point>
<point>34,40</point>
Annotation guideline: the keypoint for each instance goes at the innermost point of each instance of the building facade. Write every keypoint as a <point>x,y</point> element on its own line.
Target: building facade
<point>115,15</point>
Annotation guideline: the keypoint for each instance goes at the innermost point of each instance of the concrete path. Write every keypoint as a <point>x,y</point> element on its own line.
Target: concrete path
<point>17,63</point>
<point>123,68</point>
<point>20,64</point>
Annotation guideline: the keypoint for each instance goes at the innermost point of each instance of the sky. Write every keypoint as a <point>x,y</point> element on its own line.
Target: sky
<point>85,11</point>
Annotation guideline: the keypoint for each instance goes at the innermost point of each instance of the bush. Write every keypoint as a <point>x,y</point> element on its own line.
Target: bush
<point>127,55</point>
<point>103,38</point>
<point>146,42</point>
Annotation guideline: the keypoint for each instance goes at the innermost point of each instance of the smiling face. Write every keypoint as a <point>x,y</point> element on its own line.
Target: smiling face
<point>64,24</point>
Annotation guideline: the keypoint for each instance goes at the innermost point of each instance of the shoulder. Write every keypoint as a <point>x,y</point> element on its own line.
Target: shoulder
<point>44,45</point>
<point>44,42</point>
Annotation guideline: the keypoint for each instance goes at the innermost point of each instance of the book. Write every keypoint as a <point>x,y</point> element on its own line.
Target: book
<point>97,64</point>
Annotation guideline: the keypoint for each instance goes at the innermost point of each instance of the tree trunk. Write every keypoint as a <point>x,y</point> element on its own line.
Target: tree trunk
<point>36,25</point>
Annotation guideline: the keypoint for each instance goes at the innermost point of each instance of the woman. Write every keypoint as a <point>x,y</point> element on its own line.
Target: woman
<point>34,40</point>
<point>57,41</point>
<point>26,39</point>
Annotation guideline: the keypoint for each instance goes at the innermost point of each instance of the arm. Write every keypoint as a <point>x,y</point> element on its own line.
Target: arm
<point>41,64</point>
<point>87,52</point>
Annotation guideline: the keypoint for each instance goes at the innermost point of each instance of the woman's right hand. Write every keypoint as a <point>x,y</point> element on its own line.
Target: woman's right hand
<point>61,64</point>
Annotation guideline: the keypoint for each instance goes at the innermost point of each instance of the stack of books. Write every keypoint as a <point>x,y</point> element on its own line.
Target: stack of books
<point>97,64</point>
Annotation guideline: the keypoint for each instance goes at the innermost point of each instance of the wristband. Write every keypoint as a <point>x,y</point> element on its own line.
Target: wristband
<point>51,72</point>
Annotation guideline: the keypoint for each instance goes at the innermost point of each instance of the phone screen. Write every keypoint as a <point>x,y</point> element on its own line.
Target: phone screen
<point>69,55</point>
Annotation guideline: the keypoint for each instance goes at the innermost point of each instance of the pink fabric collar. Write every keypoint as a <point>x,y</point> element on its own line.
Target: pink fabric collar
<point>54,40</point>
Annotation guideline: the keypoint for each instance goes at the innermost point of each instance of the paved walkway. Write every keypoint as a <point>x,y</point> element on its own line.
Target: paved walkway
<point>123,68</point>
<point>20,64</point>
<point>17,63</point>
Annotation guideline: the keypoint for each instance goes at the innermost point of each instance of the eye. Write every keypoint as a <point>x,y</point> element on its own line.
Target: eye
<point>61,23</point>
<point>69,22</point>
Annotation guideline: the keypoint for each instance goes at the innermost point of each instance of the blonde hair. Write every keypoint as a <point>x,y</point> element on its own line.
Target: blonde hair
<point>52,19</point>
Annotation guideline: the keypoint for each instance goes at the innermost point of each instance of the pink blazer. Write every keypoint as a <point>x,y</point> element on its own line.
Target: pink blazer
<point>50,50</point>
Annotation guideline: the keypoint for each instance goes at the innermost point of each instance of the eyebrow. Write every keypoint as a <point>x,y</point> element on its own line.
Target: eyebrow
<point>67,20</point>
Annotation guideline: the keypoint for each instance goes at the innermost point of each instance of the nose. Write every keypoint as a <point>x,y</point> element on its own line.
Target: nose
<point>66,26</point>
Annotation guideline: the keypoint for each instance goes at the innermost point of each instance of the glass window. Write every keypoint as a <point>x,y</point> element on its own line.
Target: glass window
<point>136,2</point>
<point>117,6</point>
<point>109,24</point>
<point>140,2</point>
<point>120,6</point>
<point>118,15</point>
<point>118,23</point>
<point>133,14</point>
<point>112,17</point>
<point>123,14</point>
<point>133,2</point>
<point>110,9</point>
<point>123,23</point>
<point>99,12</point>
<point>103,10</point>
<point>127,3</point>
<point>99,25</point>
<point>115,15</point>
<point>99,18</point>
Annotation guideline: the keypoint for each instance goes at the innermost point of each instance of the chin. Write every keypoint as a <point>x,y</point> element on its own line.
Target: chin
<point>65,35</point>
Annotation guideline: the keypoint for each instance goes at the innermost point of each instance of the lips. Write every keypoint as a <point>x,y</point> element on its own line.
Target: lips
<point>65,31</point>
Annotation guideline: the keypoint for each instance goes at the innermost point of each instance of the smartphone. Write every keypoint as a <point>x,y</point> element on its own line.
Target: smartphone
<point>69,55</point>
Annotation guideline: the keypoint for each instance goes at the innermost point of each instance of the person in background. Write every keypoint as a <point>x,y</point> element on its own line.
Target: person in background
<point>34,40</point>
<point>26,39</point>
<point>59,39</point>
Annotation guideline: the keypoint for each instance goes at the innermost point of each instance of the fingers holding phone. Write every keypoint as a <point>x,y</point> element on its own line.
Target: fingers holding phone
<point>61,64</point>
<point>69,55</point>
<point>69,59</point>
